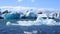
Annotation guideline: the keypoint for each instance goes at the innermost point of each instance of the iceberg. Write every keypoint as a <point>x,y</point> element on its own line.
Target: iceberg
<point>49,22</point>
<point>11,16</point>
<point>31,15</point>
<point>42,19</point>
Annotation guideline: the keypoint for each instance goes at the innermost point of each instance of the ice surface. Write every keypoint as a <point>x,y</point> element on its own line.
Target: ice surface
<point>39,21</point>
<point>8,23</point>
<point>48,22</point>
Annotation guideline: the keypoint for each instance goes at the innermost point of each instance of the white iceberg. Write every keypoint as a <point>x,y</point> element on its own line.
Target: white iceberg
<point>49,22</point>
<point>39,21</point>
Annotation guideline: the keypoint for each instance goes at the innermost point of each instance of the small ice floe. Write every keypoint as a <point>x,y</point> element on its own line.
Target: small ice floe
<point>58,23</point>
<point>25,23</point>
<point>49,22</point>
<point>40,19</point>
<point>27,32</point>
<point>21,23</point>
<point>33,32</point>
<point>8,23</point>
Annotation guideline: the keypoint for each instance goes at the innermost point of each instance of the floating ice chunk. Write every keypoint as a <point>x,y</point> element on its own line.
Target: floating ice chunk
<point>37,23</point>
<point>27,32</point>
<point>25,23</point>
<point>8,23</point>
<point>35,32</point>
<point>49,22</point>
<point>42,15</point>
<point>58,23</point>
<point>40,19</point>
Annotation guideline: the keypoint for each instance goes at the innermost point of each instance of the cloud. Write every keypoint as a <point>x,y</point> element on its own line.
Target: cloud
<point>33,0</point>
<point>19,0</point>
<point>22,0</point>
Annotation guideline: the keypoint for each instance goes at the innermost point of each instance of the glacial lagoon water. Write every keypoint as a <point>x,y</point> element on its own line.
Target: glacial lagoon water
<point>33,28</point>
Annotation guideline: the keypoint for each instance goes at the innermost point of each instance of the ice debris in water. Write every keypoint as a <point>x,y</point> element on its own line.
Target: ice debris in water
<point>8,23</point>
<point>33,32</point>
<point>50,22</point>
<point>40,21</point>
<point>25,23</point>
